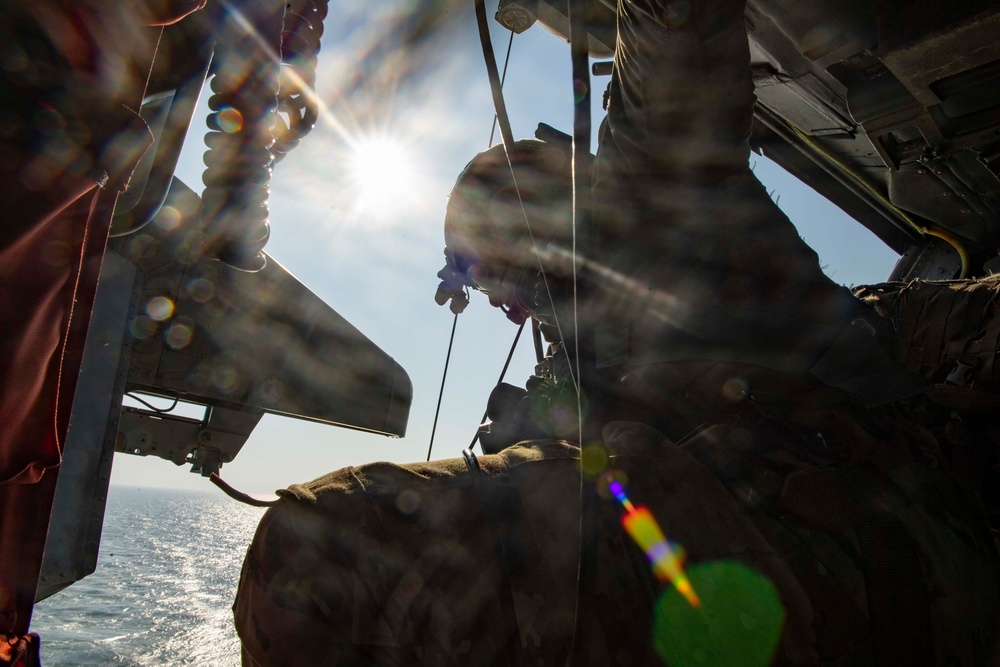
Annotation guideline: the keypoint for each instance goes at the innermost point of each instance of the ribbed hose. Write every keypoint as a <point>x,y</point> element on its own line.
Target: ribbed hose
<point>300,44</point>
<point>254,42</point>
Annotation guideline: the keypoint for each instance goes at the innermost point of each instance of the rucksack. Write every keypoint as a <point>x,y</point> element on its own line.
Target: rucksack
<point>879,559</point>
<point>949,332</point>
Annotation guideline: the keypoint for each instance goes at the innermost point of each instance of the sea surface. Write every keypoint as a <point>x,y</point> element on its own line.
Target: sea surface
<point>163,591</point>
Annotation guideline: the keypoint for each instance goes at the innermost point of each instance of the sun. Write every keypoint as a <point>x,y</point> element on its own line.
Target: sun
<point>384,177</point>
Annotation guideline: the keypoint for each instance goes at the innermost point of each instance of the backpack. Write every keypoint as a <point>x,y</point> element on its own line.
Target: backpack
<point>949,332</point>
<point>877,558</point>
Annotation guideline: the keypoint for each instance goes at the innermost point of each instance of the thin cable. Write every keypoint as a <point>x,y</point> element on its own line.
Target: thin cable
<point>507,135</point>
<point>963,255</point>
<point>582,240</point>
<point>580,54</point>
<point>153,407</point>
<point>873,191</point>
<point>503,78</point>
<point>510,355</point>
<point>444,376</point>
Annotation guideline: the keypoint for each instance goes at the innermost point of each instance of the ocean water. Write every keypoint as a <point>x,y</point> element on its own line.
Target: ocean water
<point>164,587</point>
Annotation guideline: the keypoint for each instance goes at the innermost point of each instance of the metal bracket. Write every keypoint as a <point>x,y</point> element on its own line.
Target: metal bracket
<point>204,443</point>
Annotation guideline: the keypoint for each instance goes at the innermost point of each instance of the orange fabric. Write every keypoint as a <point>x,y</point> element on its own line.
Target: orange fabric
<point>73,126</point>
<point>24,518</point>
<point>51,247</point>
<point>41,272</point>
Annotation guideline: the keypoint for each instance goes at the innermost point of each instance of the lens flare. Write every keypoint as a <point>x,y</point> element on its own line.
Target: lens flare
<point>200,289</point>
<point>160,308</point>
<point>593,459</point>
<point>229,120</point>
<point>665,556</point>
<point>168,219</point>
<point>738,623</point>
<point>143,327</point>
<point>179,335</point>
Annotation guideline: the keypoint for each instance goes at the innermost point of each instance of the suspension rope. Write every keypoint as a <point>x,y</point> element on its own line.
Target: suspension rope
<point>510,355</point>
<point>454,324</point>
<point>507,136</point>
<point>582,127</point>
<point>444,376</point>
<point>582,240</point>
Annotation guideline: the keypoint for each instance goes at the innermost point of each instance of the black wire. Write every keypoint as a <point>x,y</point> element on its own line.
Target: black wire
<point>151,406</point>
<point>504,122</point>
<point>447,360</point>
<point>510,355</point>
<point>503,78</point>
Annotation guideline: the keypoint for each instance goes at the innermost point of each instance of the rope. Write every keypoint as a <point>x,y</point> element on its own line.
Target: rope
<point>444,376</point>
<point>580,53</point>
<point>507,135</point>
<point>451,341</point>
<point>587,562</point>
<point>510,355</point>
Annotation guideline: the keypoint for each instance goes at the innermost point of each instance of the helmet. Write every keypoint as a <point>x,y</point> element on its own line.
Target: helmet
<point>501,230</point>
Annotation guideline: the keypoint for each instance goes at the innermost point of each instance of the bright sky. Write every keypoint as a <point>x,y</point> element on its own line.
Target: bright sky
<point>357,215</point>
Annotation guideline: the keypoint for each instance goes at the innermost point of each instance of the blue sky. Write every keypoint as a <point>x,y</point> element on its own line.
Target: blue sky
<point>373,254</point>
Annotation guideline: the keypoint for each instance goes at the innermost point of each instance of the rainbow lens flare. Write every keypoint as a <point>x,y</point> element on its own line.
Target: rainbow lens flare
<point>735,618</point>
<point>666,557</point>
<point>739,621</point>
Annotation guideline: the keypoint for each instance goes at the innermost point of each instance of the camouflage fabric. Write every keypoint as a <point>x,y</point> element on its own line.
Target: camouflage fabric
<point>949,330</point>
<point>396,565</point>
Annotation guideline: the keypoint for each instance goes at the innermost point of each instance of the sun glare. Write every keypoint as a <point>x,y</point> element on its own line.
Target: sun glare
<point>384,177</point>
